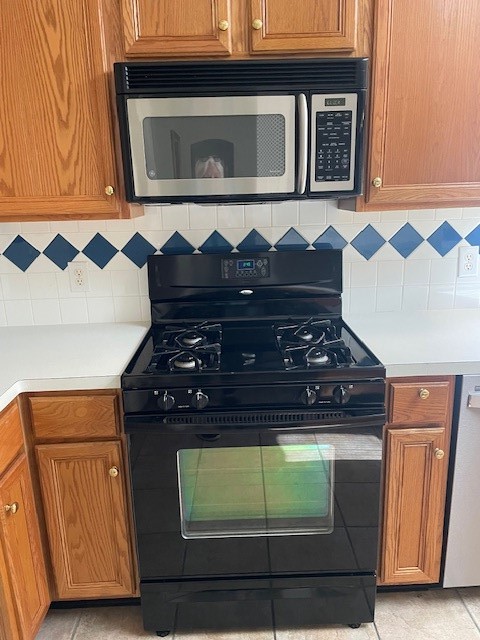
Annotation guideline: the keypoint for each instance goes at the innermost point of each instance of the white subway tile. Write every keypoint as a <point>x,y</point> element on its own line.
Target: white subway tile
<point>42,285</point>
<point>346,301</point>
<point>120,262</point>
<point>362,300</point>
<point>421,214</point>
<point>3,315</point>
<point>101,309</point>
<point>39,240</point>
<point>127,309</point>
<point>18,312</point>
<point>35,227</point>
<point>125,283</point>
<point>143,281</point>
<point>448,214</point>
<point>258,215</point>
<point>118,238</point>
<point>441,296</point>
<point>43,265</point>
<point>390,216</point>
<point>337,216</point>
<point>15,286</point>
<point>10,228</point>
<point>443,271</point>
<point>73,311</point>
<point>92,226</point>
<point>415,298</point>
<point>424,252</point>
<point>390,273</point>
<point>202,217</point>
<point>120,225</point>
<point>175,217</point>
<point>386,253</point>
<point>152,219</point>
<point>313,212</point>
<point>364,274</point>
<point>417,272</point>
<point>64,226</point>
<point>285,214</point>
<point>46,311</point>
<point>145,308</point>
<point>6,240</point>
<point>346,272</point>
<point>100,282</point>
<point>229,217</point>
<point>389,298</point>
<point>467,296</point>
<point>471,212</point>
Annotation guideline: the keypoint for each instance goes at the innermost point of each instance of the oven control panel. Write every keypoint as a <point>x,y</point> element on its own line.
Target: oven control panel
<point>315,396</point>
<point>245,268</point>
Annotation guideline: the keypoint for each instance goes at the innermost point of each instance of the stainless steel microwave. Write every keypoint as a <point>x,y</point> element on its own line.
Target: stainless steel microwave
<point>241,131</point>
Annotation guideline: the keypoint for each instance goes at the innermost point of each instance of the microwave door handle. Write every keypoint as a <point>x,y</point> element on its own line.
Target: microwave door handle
<point>302,142</point>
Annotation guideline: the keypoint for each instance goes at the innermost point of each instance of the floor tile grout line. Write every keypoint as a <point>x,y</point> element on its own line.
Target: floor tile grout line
<point>76,625</point>
<point>468,610</point>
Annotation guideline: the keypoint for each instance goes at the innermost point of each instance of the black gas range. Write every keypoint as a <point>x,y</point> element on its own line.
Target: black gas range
<point>255,418</point>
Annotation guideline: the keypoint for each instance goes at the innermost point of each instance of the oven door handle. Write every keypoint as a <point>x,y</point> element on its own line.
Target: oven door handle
<point>302,142</point>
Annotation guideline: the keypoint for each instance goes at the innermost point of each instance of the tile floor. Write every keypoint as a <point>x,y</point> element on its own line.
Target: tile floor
<point>450,614</point>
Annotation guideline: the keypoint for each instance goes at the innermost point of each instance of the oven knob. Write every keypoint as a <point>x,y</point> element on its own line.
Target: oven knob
<point>166,401</point>
<point>199,400</point>
<point>341,395</point>
<point>308,396</point>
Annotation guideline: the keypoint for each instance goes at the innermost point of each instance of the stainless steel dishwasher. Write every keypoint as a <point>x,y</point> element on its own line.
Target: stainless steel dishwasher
<point>462,560</point>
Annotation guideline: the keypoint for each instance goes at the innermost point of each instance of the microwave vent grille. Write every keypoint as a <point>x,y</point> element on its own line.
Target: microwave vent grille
<point>185,78</point>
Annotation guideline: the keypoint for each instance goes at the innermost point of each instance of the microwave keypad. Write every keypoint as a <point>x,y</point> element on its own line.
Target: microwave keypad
<point>334,137</point>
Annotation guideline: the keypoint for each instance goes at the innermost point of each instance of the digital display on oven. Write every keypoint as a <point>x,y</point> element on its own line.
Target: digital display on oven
<point>251,268</point>
<point>245,264</point>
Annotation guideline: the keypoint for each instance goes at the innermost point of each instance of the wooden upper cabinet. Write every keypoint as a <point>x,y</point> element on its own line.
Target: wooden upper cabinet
<point>425,118</point>
<point>179,28</point>
<point>21,558</point>
<point>302,26</point>
<point>56,138</point>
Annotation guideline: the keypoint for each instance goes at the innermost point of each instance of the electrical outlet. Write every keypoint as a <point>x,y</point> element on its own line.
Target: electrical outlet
<point>467,261</point>
<point>78,276</point>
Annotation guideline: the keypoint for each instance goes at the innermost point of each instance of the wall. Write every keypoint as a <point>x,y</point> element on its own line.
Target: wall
<point>393,260</point>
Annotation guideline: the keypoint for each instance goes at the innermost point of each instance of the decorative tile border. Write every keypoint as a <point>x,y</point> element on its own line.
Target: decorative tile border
<point>366,243</point>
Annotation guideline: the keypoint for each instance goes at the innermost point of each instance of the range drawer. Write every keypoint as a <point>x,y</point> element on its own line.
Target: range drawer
<point>425,401</point>
<point>67,417</point>
<point>11,436</point>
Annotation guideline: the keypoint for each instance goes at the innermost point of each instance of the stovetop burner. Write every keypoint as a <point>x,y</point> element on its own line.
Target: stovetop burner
<point>314,343</point>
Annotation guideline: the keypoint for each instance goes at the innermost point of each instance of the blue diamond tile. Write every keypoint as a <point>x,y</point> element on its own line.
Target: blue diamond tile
<point>406,240</point>
<point>216,243</point>
<point>444,238</point>
<point>368,242</point>
<point>138,249</point>
<point>177,245</point>
<point>291,241</point>
<point>330,239</point>
<point>21,253</point>
<point>100,251</point>
<point>254,241</point>
<point>60,251</point>
<point>474,237</point>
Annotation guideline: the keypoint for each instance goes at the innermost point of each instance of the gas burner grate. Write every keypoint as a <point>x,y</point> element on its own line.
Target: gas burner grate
<point>311,344</point>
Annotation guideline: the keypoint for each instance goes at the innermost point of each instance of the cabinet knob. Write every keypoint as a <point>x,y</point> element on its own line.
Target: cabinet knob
<point>109,190</point>
<point>113,471</point>
<point>439,454</point>
<point>377,182</point>
<point>12,508</point>
<point>223,25</point>
<point>257,24</point>
<point>424,394</point>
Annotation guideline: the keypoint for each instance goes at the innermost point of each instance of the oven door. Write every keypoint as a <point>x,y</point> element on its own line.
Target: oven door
<point>255,501</point>
<point>196,147</point>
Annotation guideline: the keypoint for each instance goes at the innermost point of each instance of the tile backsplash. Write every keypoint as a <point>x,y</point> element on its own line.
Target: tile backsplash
<point>395,260</point>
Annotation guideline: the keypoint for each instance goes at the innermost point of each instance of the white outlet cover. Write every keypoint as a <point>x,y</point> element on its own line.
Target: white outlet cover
<point>468,261</point>
<point>78,275</point>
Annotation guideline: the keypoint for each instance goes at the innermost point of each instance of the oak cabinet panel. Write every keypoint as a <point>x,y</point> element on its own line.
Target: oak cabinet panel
<point>22,570</point>
<point>425,121</point>
<point>84,499</point>
<point>56,139</point>
<point>11,436</point>
<point>416,453</point>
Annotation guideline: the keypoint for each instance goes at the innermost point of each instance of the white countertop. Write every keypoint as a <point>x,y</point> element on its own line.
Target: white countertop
<point>65,357</point>
<point>93,356</point>
<point>418,343</point>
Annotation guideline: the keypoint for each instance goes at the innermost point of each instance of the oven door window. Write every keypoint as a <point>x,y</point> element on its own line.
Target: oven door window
<point>212,146</point>
<point>256,491</point>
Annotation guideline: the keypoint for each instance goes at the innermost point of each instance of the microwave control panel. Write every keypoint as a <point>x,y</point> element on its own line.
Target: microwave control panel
<point>333,142</point>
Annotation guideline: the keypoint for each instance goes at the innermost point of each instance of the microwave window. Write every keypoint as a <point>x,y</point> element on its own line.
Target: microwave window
<point>212,147</point>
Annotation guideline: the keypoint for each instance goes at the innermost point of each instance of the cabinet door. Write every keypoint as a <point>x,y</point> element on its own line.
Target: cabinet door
<point>56,137</point>
<point>21,552</point>
<point>415,485</point>
<point>87,522</point>
<point>183,27</point>
<point>282,25</point>
<point>425,117</point>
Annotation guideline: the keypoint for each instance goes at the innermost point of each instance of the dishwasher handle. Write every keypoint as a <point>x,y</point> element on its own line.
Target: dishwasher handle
<point>473,401</point>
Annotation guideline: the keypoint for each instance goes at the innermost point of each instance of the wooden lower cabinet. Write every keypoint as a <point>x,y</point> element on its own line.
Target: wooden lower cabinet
<point>84,499</point>
<point>416,452</point>
<point>24,596</point>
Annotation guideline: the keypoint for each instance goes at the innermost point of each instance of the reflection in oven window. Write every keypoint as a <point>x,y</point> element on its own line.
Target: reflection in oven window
<point>256,491</point>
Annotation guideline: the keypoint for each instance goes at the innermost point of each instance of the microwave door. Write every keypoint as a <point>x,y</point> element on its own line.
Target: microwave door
<point>212,146</point>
